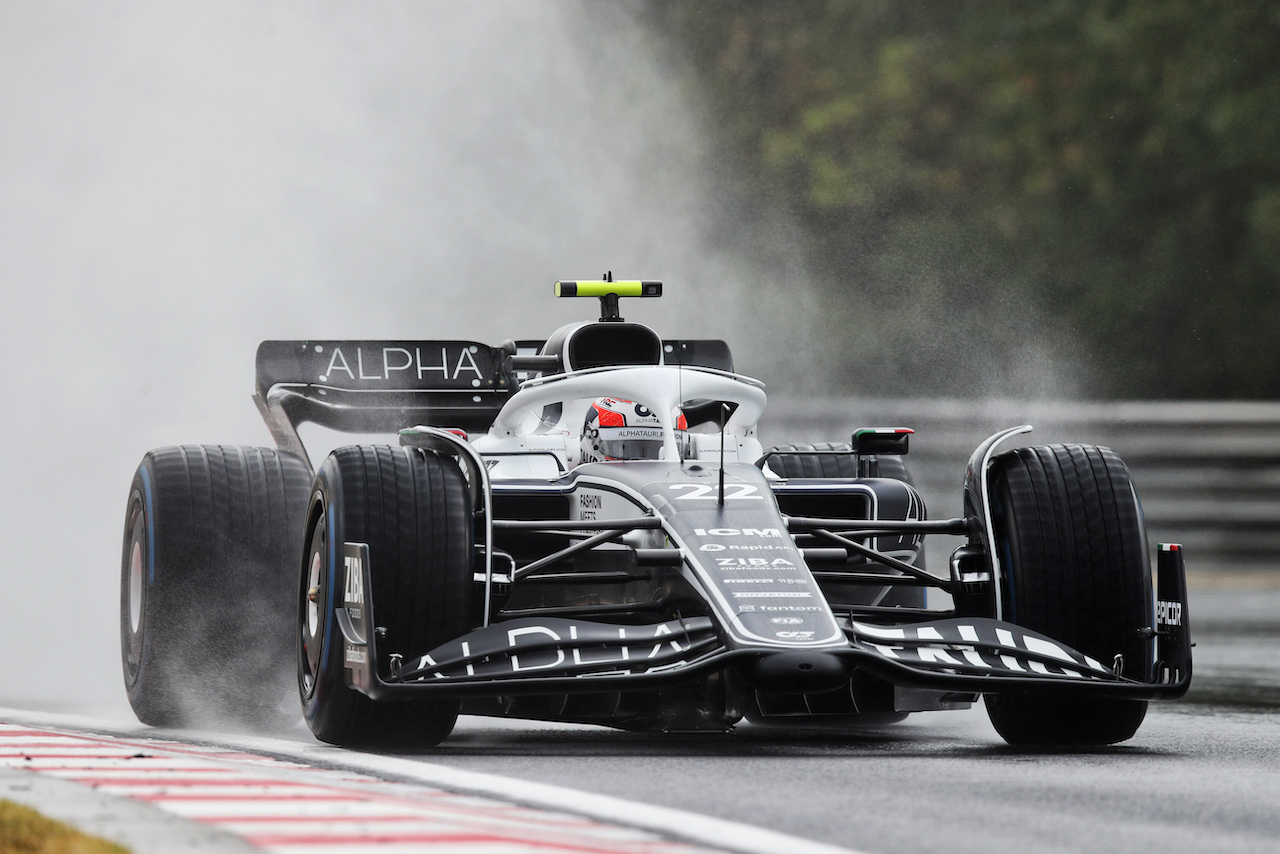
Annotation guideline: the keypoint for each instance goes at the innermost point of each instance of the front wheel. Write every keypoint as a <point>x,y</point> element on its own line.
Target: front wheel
<point>413,511</point>
<point>1073,550</point>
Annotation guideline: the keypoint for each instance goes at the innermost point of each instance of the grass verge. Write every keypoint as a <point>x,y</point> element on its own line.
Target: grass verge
<point>25,831</point>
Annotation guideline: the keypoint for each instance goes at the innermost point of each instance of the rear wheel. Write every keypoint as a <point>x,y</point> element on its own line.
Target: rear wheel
<point>1073,549</point>
<point>801,462</point>
<point>413,511</point>
<point>206,588</point>
<point>798,461</point>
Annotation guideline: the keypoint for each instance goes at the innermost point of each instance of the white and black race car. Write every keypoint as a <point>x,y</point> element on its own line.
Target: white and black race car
<point>587,529</point>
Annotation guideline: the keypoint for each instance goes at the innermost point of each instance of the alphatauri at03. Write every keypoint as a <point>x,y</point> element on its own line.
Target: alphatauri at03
<point>586,528</point>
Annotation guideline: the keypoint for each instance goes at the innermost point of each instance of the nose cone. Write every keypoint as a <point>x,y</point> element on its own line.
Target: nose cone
<point>798,672</point>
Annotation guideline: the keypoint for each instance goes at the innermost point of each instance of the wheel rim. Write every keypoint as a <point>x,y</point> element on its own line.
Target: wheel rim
<point>135,587</point>
<point>313,606</point>
<point>313,595</point>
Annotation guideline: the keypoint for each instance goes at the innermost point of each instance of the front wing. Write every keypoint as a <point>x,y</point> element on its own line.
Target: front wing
<point>535,655</point>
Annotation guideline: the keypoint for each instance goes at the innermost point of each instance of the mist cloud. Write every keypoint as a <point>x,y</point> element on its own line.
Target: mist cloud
<point>181,181</point>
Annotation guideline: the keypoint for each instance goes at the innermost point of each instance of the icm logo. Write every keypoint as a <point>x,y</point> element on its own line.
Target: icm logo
<point>738,532</point>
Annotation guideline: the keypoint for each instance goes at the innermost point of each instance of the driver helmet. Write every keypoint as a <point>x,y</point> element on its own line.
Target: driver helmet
<point>617,429</point>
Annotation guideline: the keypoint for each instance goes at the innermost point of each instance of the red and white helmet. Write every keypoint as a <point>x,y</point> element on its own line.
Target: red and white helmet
<point>617,429</point>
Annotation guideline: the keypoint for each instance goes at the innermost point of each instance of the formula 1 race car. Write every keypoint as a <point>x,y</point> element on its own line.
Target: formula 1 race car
<point>587,529</point>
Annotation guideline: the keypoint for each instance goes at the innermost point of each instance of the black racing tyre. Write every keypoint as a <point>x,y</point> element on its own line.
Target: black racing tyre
<point>803,465</point>
<point>211,540</point>
<point>413,510</point>
<point>1073,549</point>
<point>894,467</point>
<point>792,465</point>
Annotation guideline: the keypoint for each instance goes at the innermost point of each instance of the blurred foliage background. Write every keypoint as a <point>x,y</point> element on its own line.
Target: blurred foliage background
<point>1024,197</point>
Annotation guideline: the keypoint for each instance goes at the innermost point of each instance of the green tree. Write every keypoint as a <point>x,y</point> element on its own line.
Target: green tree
<point>991,184</point>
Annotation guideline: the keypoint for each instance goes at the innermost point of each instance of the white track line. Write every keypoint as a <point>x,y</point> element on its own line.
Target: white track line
<point>291,805</point>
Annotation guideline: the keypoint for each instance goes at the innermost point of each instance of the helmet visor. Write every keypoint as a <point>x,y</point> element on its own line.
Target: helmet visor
<point>630,443</point>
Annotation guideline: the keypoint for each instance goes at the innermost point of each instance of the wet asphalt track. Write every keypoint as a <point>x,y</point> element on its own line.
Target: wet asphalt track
<point>1202,774</point>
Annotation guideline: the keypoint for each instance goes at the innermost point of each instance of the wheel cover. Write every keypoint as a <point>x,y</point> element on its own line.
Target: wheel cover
<point>313,607</point>
<point>135,586</point>
<point>312,616</point>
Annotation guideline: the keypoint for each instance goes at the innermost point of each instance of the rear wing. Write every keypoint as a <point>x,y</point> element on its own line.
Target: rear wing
<point>385,386</point>
<point>378,386</point>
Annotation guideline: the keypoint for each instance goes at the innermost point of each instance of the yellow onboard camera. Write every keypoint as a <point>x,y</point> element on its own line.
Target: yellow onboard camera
<point>608,291</point>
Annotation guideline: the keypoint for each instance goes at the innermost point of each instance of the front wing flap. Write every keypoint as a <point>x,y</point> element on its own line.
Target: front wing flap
<point>990,656</point>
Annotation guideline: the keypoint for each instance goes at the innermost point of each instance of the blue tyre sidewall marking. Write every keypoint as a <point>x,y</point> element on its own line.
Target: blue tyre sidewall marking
<point>332,571</point>
<point>148,510</point>
<point>150,525</point>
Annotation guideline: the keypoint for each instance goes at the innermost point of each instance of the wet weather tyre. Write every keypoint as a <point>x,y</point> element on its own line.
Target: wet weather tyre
<point>413,511</point>
<point>211,542</point>
<point>1073,548</point>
